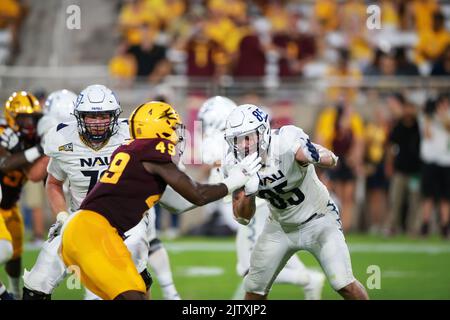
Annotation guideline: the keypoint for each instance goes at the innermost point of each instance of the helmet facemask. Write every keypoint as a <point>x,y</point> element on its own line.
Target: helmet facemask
<point>246,143</point>
<point>180,132</point>
<point>27,126</point>
<point>95,127</point>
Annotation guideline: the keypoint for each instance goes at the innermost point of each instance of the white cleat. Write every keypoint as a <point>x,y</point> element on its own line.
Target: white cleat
<point>313,290</point>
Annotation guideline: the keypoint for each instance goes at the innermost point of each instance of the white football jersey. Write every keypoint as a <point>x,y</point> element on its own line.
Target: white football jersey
<point>294,192</point>
<point>73,161</point>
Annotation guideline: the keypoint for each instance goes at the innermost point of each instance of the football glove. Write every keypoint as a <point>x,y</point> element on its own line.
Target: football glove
<point>241,172</point>
<point>251,187</point>
<point>55,229</point>
<point>9,139</point>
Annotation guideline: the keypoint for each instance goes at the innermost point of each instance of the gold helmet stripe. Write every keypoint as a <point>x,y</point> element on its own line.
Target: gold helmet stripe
<point>132,120</point>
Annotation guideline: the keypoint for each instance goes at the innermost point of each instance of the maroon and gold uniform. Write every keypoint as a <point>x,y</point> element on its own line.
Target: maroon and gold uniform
<point>92,238</point>
<point>11,222</point>
<point>127,190</point>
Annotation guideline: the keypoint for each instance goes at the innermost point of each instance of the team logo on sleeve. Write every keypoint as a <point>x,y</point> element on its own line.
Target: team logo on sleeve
<point>66,147</point>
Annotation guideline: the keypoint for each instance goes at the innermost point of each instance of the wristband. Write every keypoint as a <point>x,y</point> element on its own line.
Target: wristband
<point>33,154</point>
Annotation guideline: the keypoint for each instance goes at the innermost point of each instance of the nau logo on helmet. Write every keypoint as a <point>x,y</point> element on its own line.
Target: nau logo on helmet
<point>96,161</point>
<point>66,147</point>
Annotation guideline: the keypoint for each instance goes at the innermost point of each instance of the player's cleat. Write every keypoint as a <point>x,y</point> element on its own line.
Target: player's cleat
<point>4,294</point>
<point>35,295</point>
<point>313,290</point>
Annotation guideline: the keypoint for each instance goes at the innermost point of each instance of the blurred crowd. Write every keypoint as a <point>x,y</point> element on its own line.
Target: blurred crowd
<point>12,15</point>
<point>288,39</point>
<point>393,176</point>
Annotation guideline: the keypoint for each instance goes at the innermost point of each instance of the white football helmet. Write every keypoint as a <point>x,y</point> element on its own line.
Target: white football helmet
<point>248,131</point>
<point>58,108</point>
<point>97,100</point>
<point>214,112</point>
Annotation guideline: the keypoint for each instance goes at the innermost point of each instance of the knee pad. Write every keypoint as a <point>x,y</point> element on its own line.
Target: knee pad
<point>6,251</point>
<point>35,295</point>
<point>148,280</point>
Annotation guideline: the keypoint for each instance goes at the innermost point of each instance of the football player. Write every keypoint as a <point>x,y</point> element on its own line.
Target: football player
<point>80,152</point>
<point>213,115</point>
<point>302,214</point>
<point>138,174</point>
<point>20,159</point>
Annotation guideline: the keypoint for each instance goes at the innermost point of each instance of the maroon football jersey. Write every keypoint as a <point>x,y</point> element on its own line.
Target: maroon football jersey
<point>126,190</point>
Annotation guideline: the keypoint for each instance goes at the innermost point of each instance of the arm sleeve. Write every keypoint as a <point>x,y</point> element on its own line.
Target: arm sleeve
<point>301,140</point>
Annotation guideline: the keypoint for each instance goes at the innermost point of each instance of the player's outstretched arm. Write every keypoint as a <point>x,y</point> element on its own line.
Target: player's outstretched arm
<point>197,193</point>
<point>244,206</point>
<point>19,160</point>
<point>315,154</point>
<point>174,202</point>
<point>200,194</point>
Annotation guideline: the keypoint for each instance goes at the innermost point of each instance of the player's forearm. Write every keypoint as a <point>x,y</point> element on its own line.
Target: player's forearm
<point>327,158</point>
<point>55,196</point>
<point>38,170</point>
<point>206,193</point>
<point>174,202</point>
<point>244,207</point>
<point>20,160</point>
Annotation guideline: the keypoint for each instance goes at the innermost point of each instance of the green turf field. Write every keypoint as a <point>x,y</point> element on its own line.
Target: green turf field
<point>204,268</point>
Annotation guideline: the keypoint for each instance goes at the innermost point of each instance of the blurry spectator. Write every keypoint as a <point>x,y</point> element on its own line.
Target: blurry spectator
<point>376,134</point>
<point>434,41</point>
<point>403,168</point>
<point>394,103</point>
<point>435,153</point>
<point>343,68</point>
<point>387,65</point>
<point>123,65</point>
<point>373,69</point>
<point>353,16</point>
<point>390,18</point>
<point>278,15</point>
<point>281,113</point>
<point>12,14</point>
<point>404,66</point>
<point>294,47</point>
<point>442,66</point>
<point>251,55</point>
<point>150,57</point>
<point>341,129</point>
<point>166,10</point>
<point>203,54</point>
<point>422,12</point>
<point>133,15</point>
<point>220,28</point>
<point>325,14</point>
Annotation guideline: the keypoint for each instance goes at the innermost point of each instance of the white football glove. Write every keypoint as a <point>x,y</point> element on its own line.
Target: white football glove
<point>9,139</point>
<point>55,229</point>
<point>240,173</point>
<point>251,187</point>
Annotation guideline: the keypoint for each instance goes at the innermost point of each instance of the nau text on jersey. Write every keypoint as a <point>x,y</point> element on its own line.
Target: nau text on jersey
<point>95,161</point>
<point>264,181</point>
